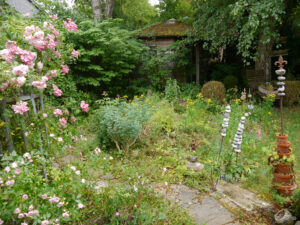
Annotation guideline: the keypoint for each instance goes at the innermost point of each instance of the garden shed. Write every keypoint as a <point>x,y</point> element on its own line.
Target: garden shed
<point>163,34</point>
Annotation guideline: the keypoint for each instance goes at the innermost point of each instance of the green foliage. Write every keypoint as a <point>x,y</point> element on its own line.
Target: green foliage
<point>122,122</point>
<point>144,13</point>
<point>108,54</point>
<point>177,9</point>
<point>189,90</point>
<point>214,89</point>
<point>295,207</point>
<point>238,21</point>
<point>292,89</point>
<point>230,81</point>
<point>164,119</point>
<point>172,91</point>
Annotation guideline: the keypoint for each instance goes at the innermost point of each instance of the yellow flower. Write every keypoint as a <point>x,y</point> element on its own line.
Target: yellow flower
<point>208,100</point>
<point>269,113</point>
<point>125,96</point>
<point>2,124</point>
<point>199,95</point>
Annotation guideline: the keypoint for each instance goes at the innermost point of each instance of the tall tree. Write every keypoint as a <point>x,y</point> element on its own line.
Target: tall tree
<point>177,9</point>
<point>97,11</point>
<point>109,6</point>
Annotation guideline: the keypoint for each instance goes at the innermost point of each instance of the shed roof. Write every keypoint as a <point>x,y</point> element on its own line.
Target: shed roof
<point>170,28</point>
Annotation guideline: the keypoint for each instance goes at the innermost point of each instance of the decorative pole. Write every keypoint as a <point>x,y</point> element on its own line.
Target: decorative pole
<point>280,72</point>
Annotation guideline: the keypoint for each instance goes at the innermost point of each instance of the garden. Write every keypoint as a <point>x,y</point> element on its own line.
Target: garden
<point>94,130</point>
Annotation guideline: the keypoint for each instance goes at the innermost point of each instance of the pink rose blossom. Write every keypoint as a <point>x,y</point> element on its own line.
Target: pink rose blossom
<point>65,69</point>
<point>63,122</point>
<point>73,118</point>
<point>27,14</point>
<point>83,181</point>
<point>27,57</point>
<point>53,73</point>
<point>77,172</point>
<point>39,66</point>
<point>75,53</point>
<point>21,215</point>
<point>54,199</point>
<point>56,91</point>
<point>84,106</point>
<point>9,182</point>
<point>45,222</point>
<point>7,169</point>
<point>25,197</point>
<point>27,155</point>
<point>55,16</point>
<point>19,81</point>
<point>17,171</point>
<point>60,204</point>
<point>59,139</point>
<point>58,112</point>
<point>20,108</point>
<point>44,196</point>
<point>65,215</point>
<point>117,213</point>
<point>1,221</point>
<point>67,113</point>
<point>12,47</point>
<point>80,205</point>
<point>20,70</point>
<point>73,168</point>
<point>30,208</point>
<point>42,84</point>
<point>6,55</point>
<point>75,139</point>
<point>70,25</point>
<point>45,115</point>
<point>17,211</point>
<point>24,223</point>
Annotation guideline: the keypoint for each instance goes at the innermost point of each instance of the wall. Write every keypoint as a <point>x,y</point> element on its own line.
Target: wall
<point>22,6</point>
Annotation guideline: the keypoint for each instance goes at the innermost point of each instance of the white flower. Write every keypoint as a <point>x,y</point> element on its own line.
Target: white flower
<point>73,168</point>
<point>7,169</point>
<point>52,135</point>
<point>83,181</point>
<point>14,165</point>
<point>77,172</point>
<point>166,183</point>
<point>165,169</point>
<point>80,205</point>
<point>59,139</point>
<point>111,158</point>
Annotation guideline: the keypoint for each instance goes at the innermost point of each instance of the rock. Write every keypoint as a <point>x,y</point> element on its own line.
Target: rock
<point>108,176</point>
<point>101,184</point>
<point>193,158</point>
<point>297,223</point>
<point>196,166</point>
<point>235,196</point>
<point>284,217</point>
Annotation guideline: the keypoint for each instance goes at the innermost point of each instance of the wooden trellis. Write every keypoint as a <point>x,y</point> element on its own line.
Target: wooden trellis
<point>9,144</point>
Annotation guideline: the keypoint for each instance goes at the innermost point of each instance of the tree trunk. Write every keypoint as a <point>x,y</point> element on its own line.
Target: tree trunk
<point>109,8</point>
<point>96,10</point>
<point>197,65</point>
<point>263,62</point>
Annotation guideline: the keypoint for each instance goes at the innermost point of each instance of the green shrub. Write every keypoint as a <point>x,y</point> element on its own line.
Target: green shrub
<point>292,92</point>
<point>295,207</point>
<point>164,119</point>
<point>213,89</point>
<point>172,91</point>
<point>189,90</point>
<point>230,81</point>
<point>121,122</point>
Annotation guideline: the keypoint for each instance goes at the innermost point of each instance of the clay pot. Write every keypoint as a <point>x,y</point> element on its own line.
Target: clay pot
<point>283,147</point>
<point>286,190</point>
<point>283,178</point>
<point>287,153</point>
<point>282,138</point>
<point>283,168</point>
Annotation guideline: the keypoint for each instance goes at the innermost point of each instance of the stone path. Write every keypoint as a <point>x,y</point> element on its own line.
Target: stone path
<point>203,208</point>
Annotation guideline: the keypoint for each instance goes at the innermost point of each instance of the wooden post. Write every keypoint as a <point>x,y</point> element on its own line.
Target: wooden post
<point>7,132</point>
<point>197,65</point>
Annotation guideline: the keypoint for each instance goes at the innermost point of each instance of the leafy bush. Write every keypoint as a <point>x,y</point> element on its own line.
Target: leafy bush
<point>108,54</point>
<point>164,119</point>
<point>122,122</point>
<point>292,92</point>
<point>230,81</point>
<point>189,90</point>
<point>172,91</point>
<point>295,207</point>
<point>213,89</point>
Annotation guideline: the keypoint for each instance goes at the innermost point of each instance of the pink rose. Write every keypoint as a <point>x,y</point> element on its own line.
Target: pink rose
<point>55,16</point>
<point>63,122</point>
<point>65,69</point>
<point>58,112</point>
<point>17,211</point>
<point>17,171</point>
<point>75,53</point>
<point>21,215</point>
<point>56,91</point>
<point>80,205</point>
<point>6,55</point>
<point>70,25</point>
<point>20,70</point>
<point>45,222</point>
<point>20,108</point>
<point>65,215</point>
<point>84,106</point>
<point>73,118</point>
<point>44,196</point>
<point>25,197</point>
<point>45,115</point>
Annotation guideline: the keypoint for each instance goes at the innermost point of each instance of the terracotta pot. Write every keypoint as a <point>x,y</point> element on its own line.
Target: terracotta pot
<point>286,190</point>
<point>283,168</point>
<point>283,147</point>
<point>283,178</point>
<point>282,138</point>
<point>287,154</point>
